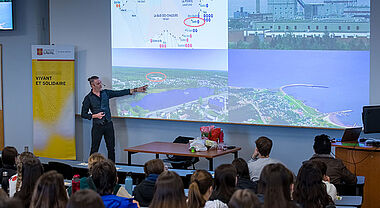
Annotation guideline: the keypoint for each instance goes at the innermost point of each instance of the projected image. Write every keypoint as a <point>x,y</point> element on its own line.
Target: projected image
<point>299,24</point>
<point>243,61</point>
<point>6,15</point>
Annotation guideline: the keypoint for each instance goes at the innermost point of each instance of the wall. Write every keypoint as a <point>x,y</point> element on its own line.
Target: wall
<point>31,27</point>
<point>291,145</point>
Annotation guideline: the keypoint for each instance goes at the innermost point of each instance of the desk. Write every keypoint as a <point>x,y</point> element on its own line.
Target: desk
<point>362,160</point>
<point>355,201</point>
<point>169,148</point>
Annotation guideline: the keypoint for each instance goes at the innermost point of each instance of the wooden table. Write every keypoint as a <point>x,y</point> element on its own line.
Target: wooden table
<point>362,160</point>
<point>169,148</point>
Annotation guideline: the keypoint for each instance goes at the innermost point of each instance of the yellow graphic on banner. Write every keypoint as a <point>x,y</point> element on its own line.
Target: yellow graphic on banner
<point>53,108</point>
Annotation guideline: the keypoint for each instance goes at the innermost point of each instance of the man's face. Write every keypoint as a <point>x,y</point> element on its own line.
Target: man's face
<point>97,85</point>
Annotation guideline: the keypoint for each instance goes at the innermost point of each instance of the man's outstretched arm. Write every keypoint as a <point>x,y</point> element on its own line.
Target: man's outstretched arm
<point>118,93</point>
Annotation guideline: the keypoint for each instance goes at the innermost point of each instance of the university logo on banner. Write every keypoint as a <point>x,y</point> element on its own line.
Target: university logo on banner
<point>53,101</point>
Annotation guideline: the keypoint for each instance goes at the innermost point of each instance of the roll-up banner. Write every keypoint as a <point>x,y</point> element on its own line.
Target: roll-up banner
<point>53,101</point>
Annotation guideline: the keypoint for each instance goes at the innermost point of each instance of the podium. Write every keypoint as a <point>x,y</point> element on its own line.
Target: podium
<point>364,161</point>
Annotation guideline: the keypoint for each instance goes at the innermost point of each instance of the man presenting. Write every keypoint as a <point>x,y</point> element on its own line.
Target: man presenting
<point>98,102</point>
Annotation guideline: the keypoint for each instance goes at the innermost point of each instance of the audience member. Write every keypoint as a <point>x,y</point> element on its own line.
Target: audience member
<point>169,191</point>
<point>200,189</point>
<point>260,158</point>
<point>310,191</point>
<point>85,198</point>
<point>105,179</point>
<point>49,191</point>
<point>336,170</point>
<point>275,185</point>
<point>88,183</point>
<point>31,171</point>
<point>16,180</point>
<point>8,158</point>
<point>244,198</point>
<point>330,188</point>
<point>244,182</point>
<point>10,203</point>
<point>224,186</point>
<point>143,192</point>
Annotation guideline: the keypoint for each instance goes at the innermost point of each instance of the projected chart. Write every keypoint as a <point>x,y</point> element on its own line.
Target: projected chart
<point>199,24</point>
<point>271,62</point>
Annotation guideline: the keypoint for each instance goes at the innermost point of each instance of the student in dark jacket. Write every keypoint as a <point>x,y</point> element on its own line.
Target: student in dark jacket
<point>143,192</point>
<point>244,181</point>
<point>8,158</point>
<point>336,170</point>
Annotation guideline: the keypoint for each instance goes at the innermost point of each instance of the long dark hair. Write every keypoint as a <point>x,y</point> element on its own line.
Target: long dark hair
<point>241,167</point>
<point>275,181</point>
<point>168,191</point>
<point>200,183</point>
<point>224,183</point>
<point>31,171</point>
<point>49,191</point>
<point>309,190</point>
<point>85,198</point>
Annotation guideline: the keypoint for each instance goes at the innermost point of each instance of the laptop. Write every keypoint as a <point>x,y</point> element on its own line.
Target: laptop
<point>351,134</point>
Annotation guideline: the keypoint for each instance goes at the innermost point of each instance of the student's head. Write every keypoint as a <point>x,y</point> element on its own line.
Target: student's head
<point>244,198</point>
<point>242,167</point>
<point>275,183</point>
<point>104,176</point>
<point>85,198</point>
<point>95,83</point>
<point>224,182</point>
<point>31,172</point>
<point>10,203</point>
<point>94,158</point>
<point>155,166</point>
<point>49,191</point>
<point>8,156</point>
<point>322,144</point>
<point>200,188</point>
<point>19,163</point>
<point>168,191</point>
<point>309,189</point>
<point>264,145</point>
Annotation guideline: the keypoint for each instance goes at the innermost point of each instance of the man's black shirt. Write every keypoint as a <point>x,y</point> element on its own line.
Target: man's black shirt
<point>100,104</point>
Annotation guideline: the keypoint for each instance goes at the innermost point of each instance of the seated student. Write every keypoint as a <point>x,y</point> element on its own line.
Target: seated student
<point>244,181</point>
<point>15,180</point>
<point>87,183</point>
<point>143,192</point>
<point>310,191</point>
<point>224,186</point>
<point>330,188</point>
<point>8,158</point>
<point>85,198</point>
<point>31,171</point>
<point>275,186</point>
<point>169,191</point>
<point>244,198</point>
<point>200,189</point>
<point>105,179</point>
<point>260,158</point>
<point>49,191</point>
<point>336,170</point>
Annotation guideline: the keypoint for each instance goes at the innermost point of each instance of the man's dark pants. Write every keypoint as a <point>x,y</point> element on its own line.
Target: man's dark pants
<point>97,132</point>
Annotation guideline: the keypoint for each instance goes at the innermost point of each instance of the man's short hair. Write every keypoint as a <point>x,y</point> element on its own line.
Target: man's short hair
<point>104,177</point>
<point>264,145</point>
<point>8,156</point>
<point>322,144</point>
<point>155,166</point>
<point>92,79</point>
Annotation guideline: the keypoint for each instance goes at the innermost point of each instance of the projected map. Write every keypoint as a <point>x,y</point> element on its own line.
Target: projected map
<point>196,24</point>
<point>5,15</point>
<point>271,62</point>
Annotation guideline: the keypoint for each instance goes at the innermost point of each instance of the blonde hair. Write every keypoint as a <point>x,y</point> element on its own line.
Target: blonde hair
<point>19,163</point>
<point>200,183</point>
<point>94,158</point>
